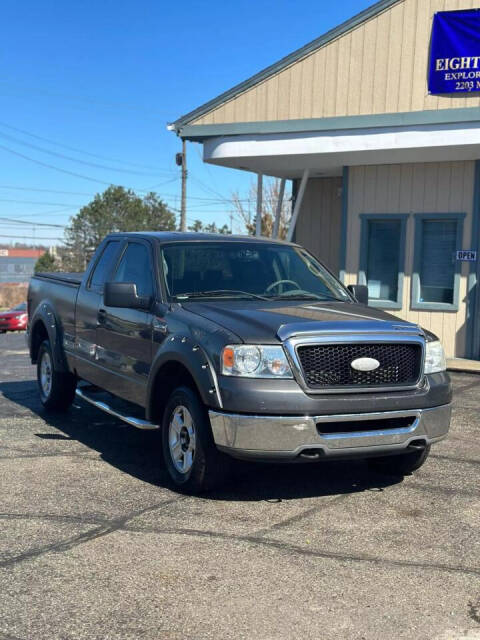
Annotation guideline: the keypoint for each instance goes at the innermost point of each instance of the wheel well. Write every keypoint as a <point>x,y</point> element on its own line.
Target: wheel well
<point>170,376</point>
<point>39,334</point>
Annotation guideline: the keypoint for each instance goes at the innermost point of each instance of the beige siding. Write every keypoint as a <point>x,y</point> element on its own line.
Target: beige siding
<point>445,187</point>
<point>319,222</point>
<point>378,67</point>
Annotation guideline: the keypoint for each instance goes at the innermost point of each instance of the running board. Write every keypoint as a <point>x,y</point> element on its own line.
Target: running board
<point>103,406</point>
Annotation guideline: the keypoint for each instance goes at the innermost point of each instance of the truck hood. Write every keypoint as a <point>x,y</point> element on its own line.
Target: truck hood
<point>268,322</point>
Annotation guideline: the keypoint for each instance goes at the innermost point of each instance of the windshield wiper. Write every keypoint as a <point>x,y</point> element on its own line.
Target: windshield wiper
<point>219,292</point>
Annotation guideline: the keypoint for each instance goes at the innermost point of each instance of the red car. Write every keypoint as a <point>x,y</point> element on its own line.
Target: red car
<point>15,319</point>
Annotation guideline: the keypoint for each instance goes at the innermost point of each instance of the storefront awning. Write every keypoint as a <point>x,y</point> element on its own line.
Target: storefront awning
<point>325,153</point>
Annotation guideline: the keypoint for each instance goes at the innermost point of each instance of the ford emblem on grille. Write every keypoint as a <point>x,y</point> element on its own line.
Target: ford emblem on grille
<point>365,364</point>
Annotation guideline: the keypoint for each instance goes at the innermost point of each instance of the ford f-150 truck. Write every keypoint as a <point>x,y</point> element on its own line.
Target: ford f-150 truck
<point>237,346</point>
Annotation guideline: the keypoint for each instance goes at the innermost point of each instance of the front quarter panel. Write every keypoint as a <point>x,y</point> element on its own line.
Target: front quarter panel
<point>196,343</point>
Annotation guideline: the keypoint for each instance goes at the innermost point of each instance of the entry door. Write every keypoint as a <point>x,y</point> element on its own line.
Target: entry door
<point>124,335</point>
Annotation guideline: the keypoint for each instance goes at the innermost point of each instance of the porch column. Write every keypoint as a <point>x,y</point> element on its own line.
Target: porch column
<point>298,204</point>
<point>258,220</point>
<point>278,213</point>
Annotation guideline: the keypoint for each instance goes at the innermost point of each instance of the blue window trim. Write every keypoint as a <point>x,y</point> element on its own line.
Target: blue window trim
<point>362,270</point>
<point>473,293</point>
<point>415,304</point>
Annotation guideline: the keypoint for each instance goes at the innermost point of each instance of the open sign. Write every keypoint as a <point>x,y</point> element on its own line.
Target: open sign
<point>467,256</point>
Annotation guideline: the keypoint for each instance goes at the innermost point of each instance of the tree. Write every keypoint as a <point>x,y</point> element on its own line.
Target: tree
<point>246,209</point>
<point>199,227</point>
<point>46,263</point>
<point>116,209</point>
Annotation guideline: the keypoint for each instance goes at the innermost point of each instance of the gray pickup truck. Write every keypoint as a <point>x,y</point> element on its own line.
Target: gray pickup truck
<point>237,346</point>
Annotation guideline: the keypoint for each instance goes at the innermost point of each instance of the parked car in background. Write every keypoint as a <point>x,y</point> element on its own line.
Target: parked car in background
<point>15,319</point>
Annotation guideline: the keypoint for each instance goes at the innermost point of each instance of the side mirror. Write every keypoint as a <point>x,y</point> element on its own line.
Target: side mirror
<point>124,294</point>
<point>359,292</point>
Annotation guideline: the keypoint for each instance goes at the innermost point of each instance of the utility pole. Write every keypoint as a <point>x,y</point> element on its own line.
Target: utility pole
<point>183,213</point>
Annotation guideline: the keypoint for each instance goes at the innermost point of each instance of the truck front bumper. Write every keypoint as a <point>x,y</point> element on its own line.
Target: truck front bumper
<point>341,436</point>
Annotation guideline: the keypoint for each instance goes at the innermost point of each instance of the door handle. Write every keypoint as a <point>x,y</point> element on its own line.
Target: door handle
<point>101,315</point>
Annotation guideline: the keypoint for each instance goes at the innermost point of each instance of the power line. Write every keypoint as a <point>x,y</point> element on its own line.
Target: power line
<point>51,166</point>
<point>72,193</point>
<point>145,190</point>
<point>86,100</point>
<point>87,153</point>
<point>45,213</point>
<point>95,165</point>
<point>52,204</point>
<point>22,237</point>
<point>32,223</point>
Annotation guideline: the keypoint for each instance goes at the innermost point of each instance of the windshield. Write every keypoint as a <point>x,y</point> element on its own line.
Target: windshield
<point>20,307</point>
<point>247,270</point>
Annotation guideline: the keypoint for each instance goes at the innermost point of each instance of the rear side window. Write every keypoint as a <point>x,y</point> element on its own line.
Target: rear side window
<point>135,266</point>
<point>104,265</point>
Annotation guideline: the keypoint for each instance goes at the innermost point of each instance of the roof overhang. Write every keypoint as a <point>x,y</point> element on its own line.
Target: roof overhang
<point>326,151</point>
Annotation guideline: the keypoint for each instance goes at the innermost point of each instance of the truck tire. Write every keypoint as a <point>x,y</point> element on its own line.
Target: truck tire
<point>400,465</point>
<point>57,389</point>
<point>193,461</point>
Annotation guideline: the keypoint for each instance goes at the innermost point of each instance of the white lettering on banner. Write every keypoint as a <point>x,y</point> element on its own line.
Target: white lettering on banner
<point>468,62</point>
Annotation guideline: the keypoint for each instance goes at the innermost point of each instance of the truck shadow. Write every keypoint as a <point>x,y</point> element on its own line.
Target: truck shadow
<point>138,453</point>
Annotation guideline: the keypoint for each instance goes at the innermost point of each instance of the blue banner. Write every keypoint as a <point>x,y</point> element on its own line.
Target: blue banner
<point>455,52</point>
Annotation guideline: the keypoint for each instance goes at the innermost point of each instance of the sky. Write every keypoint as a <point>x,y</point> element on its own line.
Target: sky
<point>87,89</point>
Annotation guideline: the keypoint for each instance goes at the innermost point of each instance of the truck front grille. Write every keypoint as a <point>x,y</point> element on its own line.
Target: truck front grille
<point>329,365</point>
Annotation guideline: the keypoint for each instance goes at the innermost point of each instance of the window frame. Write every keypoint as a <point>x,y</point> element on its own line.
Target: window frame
<point>148,246</point>
<point>365,219</point>
<point>101,251</point>
<point>415,303</point>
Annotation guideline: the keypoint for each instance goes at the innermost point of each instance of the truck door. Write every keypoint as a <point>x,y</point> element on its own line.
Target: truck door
<point>89,299</point>
<point>124,335</point>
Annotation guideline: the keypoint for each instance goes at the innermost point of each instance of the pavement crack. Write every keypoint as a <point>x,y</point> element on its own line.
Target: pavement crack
<point>54,517</point>
<point>57,546</point>
<point>65,454</point>
<point>103,529</point>
<point>440,456</point>
<point>324,554</point>
<point>301,516</point>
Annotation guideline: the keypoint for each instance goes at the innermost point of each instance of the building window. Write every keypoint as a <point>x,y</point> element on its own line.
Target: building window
<point>436,273</point>
<point>382,257</point>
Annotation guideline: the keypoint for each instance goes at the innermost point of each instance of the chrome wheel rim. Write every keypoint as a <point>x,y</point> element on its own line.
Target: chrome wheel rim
<point>46,374</point>
<point>181,439</point>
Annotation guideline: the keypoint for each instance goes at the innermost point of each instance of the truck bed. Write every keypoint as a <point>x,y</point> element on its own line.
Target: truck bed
<point>57,291</point>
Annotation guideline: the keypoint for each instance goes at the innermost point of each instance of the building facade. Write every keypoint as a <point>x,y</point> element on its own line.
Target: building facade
<point>17,265</point>
<point>377,122</point>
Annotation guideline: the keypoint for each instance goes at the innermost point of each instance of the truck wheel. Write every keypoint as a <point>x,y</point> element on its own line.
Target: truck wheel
<point>191,457</point>
<point>400,465</point>
<point>57,390</point>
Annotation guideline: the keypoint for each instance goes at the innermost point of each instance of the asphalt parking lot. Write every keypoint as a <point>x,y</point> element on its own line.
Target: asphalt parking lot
<point>95,544</point>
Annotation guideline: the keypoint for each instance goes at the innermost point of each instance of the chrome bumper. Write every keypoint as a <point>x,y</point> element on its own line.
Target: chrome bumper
<point>282,437</point>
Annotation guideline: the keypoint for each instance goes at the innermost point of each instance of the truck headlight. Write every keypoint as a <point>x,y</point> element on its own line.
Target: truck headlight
<point>255,361</point>
<point>434,357</point>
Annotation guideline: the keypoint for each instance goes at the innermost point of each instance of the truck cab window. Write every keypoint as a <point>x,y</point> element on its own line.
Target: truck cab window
<point>135,266</point>
<point>103,266</point>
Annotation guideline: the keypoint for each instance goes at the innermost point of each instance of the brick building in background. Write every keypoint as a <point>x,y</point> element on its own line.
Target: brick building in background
<point>16,265</point>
